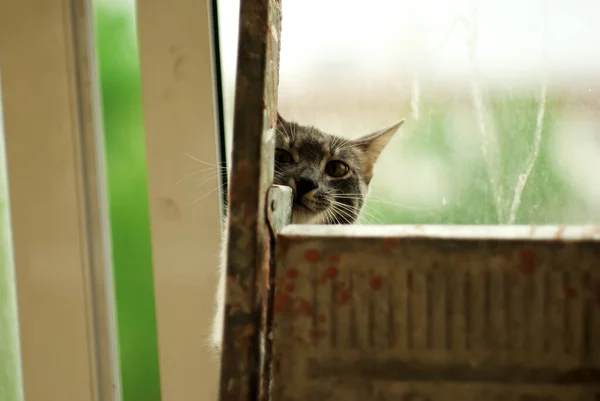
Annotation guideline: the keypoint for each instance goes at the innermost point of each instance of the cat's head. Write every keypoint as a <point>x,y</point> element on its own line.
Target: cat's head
<point>329,175</point>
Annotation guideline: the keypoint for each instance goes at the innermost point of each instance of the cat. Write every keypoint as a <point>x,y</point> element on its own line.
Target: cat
<point>329,176</point>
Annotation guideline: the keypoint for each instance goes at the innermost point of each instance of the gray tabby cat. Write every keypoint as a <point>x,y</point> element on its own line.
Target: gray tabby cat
<point>330,178</point>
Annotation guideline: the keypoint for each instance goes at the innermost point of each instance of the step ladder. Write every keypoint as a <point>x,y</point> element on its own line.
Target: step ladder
<point>429,313</point>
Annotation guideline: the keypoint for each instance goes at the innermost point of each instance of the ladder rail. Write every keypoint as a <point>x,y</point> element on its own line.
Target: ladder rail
<point>248,236</point>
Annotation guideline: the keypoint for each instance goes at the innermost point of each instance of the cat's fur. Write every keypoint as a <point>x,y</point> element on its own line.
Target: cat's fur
<point>308,160</point>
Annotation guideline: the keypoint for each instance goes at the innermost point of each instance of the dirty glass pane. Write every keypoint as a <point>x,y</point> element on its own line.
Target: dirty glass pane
<point>500,100</point>
<point>10,353</point>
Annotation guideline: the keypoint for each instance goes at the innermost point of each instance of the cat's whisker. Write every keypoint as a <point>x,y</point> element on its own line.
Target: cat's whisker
<point>373,214</point>
<point>285,131</point>
<point>348,212</point>
<point>218,187</point>
<point>372,198</point>
<point>346,216</point>
<point>326,216</point>
<point>193,173</point>
<point>209,178</point>
<point>359,212</point>
<point>330,216</point>
<point>202,161</point>
<point>363,212</point>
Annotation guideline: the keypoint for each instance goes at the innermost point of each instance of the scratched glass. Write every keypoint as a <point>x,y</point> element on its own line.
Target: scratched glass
<point>500,100</point>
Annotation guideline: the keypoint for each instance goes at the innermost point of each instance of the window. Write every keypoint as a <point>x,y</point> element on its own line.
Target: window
<point>502,123</point>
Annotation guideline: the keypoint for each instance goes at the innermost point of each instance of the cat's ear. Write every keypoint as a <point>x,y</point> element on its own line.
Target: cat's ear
<point>280,119</point>
<point>373,144</point>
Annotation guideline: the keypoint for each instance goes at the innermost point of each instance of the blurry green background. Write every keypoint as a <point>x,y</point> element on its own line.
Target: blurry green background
<point>128,191</point>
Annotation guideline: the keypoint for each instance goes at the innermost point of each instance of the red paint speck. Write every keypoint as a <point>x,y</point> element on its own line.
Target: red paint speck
<point>312,255</point>
<point>289,287</point>
<point>304,307</point>
<point>571,293</point>
<point>291,273</point>
<point>322,318</point>
<point>390,243</point>
<point>343,297</point>
<point>376,283</point>
<point>282,302</point>
<point>330,274</point>
<point>435,265</point>
<point>317,334</point>
<point>334,258</point>
<point>527,262</point>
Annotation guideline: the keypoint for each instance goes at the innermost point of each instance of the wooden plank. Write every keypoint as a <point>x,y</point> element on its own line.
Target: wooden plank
<point>59,212</point>
<point>251,175</point>
<point>176,61</point>
<point>476,282</point>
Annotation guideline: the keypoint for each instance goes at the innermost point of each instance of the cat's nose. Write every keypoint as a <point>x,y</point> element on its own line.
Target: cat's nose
<point>304,186</point>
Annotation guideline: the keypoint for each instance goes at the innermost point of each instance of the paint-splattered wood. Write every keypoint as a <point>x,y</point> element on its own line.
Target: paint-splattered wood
<point>437,313</point>
<point>251,174</point>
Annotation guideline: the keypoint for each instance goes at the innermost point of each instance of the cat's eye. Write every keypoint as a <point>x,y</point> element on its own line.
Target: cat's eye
<point>283,156</point>
<point>336,169</point>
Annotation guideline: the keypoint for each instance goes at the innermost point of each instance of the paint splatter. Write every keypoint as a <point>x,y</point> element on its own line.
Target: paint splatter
<point>282,302</point>
<point>331,273</point>
<point>526,262</point>
<point>435,265</point>
<point>312,256</point>
<point>390,243</point>
<point>289,287</point>
<point>304,307</point>
<point>571,293</point>
<point>376,283</point>
<point>343,296</point>
<point>334,259</point>
<point>321,318</point>
<point>291,273</point>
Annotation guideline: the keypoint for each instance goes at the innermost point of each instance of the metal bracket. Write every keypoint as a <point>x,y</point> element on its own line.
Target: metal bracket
<point>279,207</point>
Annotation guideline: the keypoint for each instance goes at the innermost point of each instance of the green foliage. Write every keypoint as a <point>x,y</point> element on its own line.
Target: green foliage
<point>513,117</point>
<point>128,192</point>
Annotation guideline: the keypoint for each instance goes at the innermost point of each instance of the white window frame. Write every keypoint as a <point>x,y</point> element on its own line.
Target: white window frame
<point>59,209</point>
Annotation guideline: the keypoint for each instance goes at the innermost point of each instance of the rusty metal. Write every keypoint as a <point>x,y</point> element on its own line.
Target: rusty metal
<point>251,175</point>
<point>437,313</point>
<point>279,215</point>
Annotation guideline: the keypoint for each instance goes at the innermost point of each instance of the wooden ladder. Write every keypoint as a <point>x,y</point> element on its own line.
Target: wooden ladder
<point>391,312</point>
